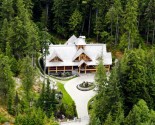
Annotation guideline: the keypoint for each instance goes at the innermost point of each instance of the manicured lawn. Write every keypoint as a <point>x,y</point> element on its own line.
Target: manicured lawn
<point>69,108</point>
<point>66,97</point>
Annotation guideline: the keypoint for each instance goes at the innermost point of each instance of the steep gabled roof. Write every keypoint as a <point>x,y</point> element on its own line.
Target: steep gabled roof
<point>71,40</point>
<point>54,55</point>
<point>80,41</point>
<point>68,53</point>
<point>79,52</point>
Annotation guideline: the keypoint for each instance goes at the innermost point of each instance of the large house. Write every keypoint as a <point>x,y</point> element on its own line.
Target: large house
<point>77,55</point>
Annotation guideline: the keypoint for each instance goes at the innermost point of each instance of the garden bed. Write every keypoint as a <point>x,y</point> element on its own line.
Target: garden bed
<point>85,86</point>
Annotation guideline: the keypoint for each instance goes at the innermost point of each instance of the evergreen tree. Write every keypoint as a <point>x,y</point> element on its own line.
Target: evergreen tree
<point>130,38</point>
<point>7,10</point>
<point>28,76</point>
<point>47,101</point>
<point>138,115</point>
<point>36,117</point>
<point>7,84</point>
<point>6,35</point>
<point>149,18</point>
<point>101,8</point>
<point>18,29</point>
<point>101,81</point>
<point>75,21</point>
<point>61,16</point>
<point>109,120</point>
<point>8,50</point>
<point>150,78</point>
<point>41,99</point>
<point>113,17</point>
<point>133,78</point>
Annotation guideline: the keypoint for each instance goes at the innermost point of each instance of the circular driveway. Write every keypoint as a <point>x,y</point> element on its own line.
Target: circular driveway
<point>80,98</point>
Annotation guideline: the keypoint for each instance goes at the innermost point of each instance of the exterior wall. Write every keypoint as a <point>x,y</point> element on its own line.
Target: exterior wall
<point>84,69</point>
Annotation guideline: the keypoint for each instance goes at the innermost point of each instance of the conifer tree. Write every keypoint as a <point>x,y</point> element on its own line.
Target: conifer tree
<point>41,99</point>
<point>138,115</point>
<point>130,38</point>
<point>75,21</point>
<point>101,81</point>
<point>7,84</point>
<point>109,120</point>
<point>6,35</point>
<point>28,76</point>
<point>113,17</point>
<point>149,18</point>
<point>7,10</point>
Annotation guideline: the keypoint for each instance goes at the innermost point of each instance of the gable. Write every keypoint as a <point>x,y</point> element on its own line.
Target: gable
<point>81,55</point>
<point>56,59</point>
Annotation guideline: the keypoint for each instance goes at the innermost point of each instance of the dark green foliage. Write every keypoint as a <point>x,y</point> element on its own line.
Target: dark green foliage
<point>14,65</point>
<point>34,117</point>
<point>47,101</point>
<point>108,106</point>
<point>75,21</point>
<point>136,78</point>
<point>140,115</point>
<point>28,75</point>
<point>101,80</point>
<point>7,84</point>
<point>41,99</point>
<point>130,37</point>
<point>18,30</point>
<point>131,79</point>
<point>128,24</point>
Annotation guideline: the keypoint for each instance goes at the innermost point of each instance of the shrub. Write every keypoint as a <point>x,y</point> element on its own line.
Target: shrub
<point>3,119</point>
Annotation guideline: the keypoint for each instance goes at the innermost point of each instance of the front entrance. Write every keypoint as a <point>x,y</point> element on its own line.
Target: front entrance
<point>82,68</point>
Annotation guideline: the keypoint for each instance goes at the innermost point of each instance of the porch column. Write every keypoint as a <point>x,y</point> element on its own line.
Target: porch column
<point>64,68</point>
<point>72,68</point>
<point>85,68</point>
<point>79,70</point>
<point>56,69</point>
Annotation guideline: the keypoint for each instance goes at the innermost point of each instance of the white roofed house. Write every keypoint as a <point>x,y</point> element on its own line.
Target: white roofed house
<point>77,55</point>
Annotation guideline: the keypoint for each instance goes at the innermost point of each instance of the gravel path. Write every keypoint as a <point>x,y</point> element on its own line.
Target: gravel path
<point>80,98</point>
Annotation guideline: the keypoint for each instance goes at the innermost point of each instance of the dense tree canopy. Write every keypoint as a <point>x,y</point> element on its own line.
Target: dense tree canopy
<point>27,27</point>
<point>129,22</point>
<point>131,79</point>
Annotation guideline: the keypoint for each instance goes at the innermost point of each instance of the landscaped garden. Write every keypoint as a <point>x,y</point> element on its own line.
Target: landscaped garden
<point>67,107</point>
<point>86,86</point>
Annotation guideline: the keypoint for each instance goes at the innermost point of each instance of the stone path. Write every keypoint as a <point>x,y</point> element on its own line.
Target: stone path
<point>80,98</point>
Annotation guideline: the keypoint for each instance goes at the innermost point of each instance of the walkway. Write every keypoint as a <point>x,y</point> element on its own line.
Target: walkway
<point>80,98</point>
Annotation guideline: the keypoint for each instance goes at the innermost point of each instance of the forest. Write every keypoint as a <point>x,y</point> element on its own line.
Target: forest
<point>126,26</point>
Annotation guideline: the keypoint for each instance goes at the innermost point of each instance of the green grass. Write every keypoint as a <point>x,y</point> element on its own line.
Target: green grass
<point>69,108</point>
<point>66,97</point>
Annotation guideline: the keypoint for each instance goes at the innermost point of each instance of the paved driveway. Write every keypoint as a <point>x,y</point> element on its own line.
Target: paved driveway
<point>80,98</point>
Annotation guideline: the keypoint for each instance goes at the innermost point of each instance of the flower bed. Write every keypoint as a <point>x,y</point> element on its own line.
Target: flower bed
<point>86,86</point>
